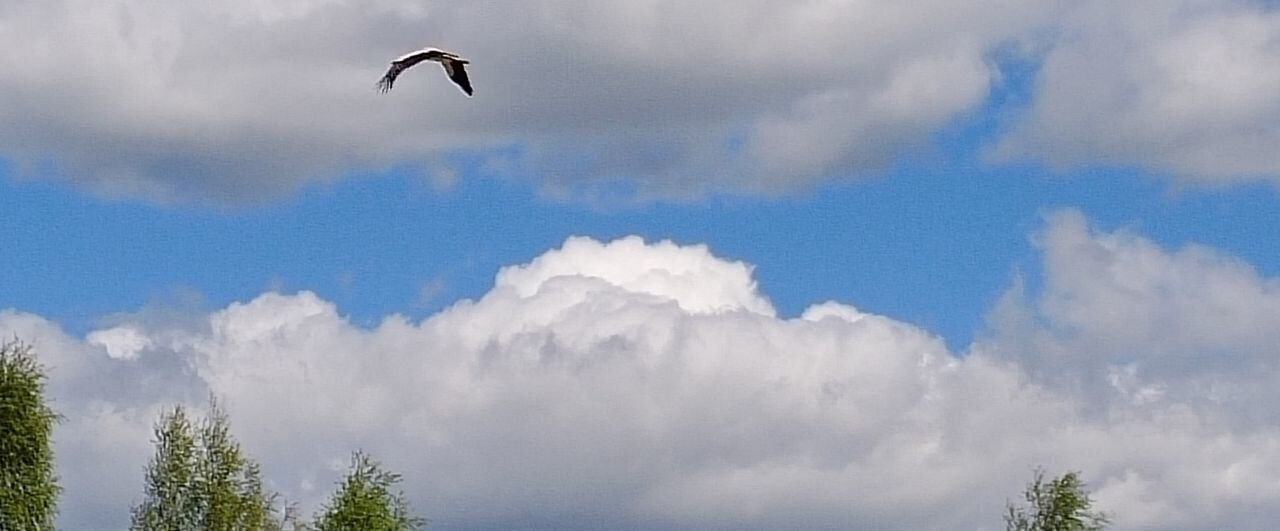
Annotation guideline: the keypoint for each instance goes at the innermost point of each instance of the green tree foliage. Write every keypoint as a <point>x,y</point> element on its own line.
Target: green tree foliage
<point>199,480</point>
<point>364,502</point>
<point>1059,504</point>
<point>28,488</point>
<point>170,498</point>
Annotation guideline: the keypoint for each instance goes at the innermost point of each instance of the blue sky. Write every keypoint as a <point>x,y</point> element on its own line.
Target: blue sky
<point>934,241</point>
<point>1051,232</point>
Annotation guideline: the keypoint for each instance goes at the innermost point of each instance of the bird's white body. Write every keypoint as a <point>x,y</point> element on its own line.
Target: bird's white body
<point>433,54</point>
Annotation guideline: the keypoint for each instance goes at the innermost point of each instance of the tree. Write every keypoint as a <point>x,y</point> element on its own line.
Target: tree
<point>364,502</point>
<point>1060,504</point>
<point>170,502</point>
<point>199,480</point>
<point>28,488</point>
<point>229,485</point>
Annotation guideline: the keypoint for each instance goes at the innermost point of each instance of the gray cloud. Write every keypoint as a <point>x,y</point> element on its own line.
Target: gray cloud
<point>244,100</point>
<point>247,100</point>
<point>1186,87</point>
<point>633,385</point>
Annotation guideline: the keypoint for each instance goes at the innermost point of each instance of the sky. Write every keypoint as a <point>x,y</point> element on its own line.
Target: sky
<point>840,264</point>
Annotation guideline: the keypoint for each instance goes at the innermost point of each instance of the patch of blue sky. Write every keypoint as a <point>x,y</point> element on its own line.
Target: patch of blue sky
<point>933,244</point>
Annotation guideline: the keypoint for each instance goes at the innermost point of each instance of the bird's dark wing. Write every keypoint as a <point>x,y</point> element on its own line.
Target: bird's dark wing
<point>458,74</point>
<point>389,78</point>
<point>400,65</point>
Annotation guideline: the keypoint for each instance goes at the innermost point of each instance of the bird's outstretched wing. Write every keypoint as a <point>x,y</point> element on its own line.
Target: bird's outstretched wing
<point>458,74</point>
<point>402,63</point>
<point>389,78</point>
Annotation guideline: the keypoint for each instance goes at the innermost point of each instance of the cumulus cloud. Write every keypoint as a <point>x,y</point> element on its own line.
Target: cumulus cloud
<point>636,385</point>
<point>1186,87</point>
<point>1192,326</point>
<point>121,342</point>
<point>243,99</point>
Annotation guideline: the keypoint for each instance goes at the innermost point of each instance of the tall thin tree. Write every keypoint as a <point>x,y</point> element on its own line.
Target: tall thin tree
<point>28,487</point>
<point>229,484</point>
<point>170,499</point>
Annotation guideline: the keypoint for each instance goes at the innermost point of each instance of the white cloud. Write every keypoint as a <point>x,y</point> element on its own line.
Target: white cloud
<point>635,385</point>
<point>121,343</point>
<point>240,100</point>
<point>1192,326</point>
<point>689,276</point>
<point>1186,87</point>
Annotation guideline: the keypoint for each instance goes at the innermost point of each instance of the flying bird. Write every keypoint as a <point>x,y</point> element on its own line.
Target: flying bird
<point>452,63</point>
